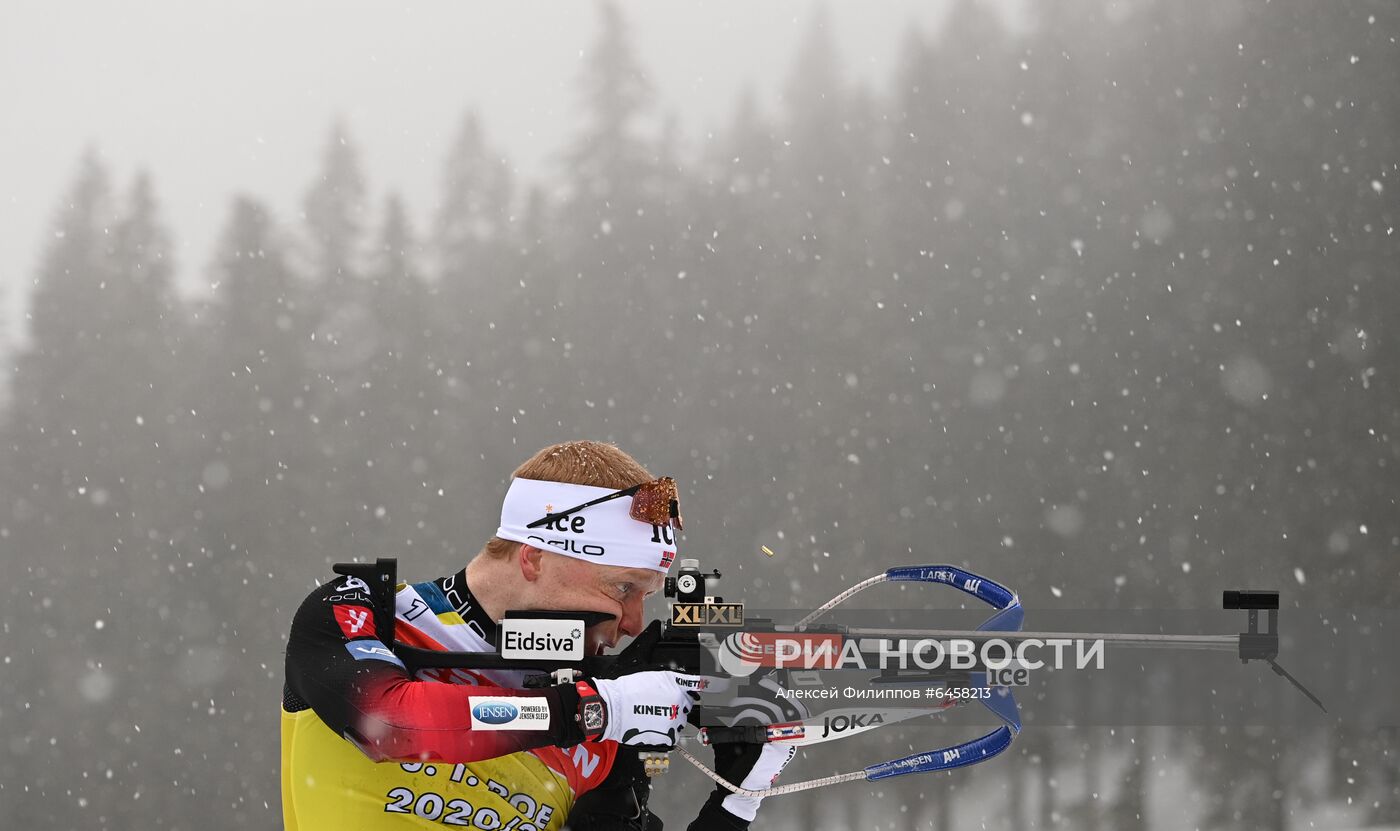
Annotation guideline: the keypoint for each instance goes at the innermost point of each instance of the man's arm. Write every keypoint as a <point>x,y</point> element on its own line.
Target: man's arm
<point>750,766</point>
<point>337,666</point>
<point>619,803</point>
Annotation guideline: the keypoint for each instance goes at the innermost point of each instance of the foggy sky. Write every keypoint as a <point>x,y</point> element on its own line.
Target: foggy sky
<point>219,99</point>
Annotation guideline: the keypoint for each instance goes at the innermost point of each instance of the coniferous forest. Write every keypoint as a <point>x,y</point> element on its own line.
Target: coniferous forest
<point>1102,308</point>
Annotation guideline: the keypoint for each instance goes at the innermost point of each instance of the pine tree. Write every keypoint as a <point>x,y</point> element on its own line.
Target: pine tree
<point>93,398</point>
<point>474,219</point>
<point>149,337</point>
<point>402,416</point>
<point>47,536</point>
<point>335,215</point>
<point>100,496</point>
<point>67,296</point>
<point>818,161</point>
<point>615,240</point>
<point>608,154</point>
<point>335,210</point>
<point>343,339</point>
<point>258,467</point>
<point>476,248</point>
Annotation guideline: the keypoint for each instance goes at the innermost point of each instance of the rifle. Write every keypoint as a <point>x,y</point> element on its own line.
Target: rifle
<point>706,635</point>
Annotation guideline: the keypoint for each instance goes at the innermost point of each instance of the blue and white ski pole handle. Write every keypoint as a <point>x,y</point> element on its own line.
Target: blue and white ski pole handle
<point>947,758</point>
<point>1008,617</point>
<point>990,592</point>
<point>944,758</point>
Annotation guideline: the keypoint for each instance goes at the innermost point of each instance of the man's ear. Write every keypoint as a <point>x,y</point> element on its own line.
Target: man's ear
<point>530,559</point>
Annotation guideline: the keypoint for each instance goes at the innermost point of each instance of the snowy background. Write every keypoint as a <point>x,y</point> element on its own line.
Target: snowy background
<point>1093,298</point>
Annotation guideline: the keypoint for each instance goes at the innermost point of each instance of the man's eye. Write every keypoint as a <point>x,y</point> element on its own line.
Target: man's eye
<point>624,588</point>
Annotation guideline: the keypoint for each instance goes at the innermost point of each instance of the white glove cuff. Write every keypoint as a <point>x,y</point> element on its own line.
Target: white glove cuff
<point>765,772</point>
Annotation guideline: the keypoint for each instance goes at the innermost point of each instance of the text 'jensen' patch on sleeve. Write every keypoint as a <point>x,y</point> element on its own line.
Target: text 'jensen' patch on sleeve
<point>509,713</point>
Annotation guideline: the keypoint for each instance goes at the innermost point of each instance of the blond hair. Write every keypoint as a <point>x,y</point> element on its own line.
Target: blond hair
<point>593,463</point>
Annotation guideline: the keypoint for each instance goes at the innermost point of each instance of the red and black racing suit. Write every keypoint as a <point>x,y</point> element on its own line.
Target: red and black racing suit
<point>366,745</point>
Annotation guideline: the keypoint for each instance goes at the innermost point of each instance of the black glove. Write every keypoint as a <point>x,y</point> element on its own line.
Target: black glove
<point>713,817</point>
<point>753,766</point>
<point>620,803</point>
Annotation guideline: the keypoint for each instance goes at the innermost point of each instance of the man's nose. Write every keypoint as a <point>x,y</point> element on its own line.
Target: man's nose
<point>631,624</point>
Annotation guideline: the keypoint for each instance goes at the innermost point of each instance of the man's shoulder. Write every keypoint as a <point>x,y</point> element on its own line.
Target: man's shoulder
<point>325,605</point>
<point>341,589</point>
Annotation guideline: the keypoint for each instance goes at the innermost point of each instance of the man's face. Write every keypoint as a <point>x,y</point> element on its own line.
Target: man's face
<point>569,584</point>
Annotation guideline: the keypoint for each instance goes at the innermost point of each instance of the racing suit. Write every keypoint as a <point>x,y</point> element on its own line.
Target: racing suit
<point>366,745</point>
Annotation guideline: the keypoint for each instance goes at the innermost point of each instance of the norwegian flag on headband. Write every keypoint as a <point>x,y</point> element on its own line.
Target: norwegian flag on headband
<point>667,557</point>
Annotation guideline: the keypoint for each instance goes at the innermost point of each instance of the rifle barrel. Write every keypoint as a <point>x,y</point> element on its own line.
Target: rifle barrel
<point>1223,643</point>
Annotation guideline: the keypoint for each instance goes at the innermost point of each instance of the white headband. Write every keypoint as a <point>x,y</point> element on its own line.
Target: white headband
<point>604,533</point>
